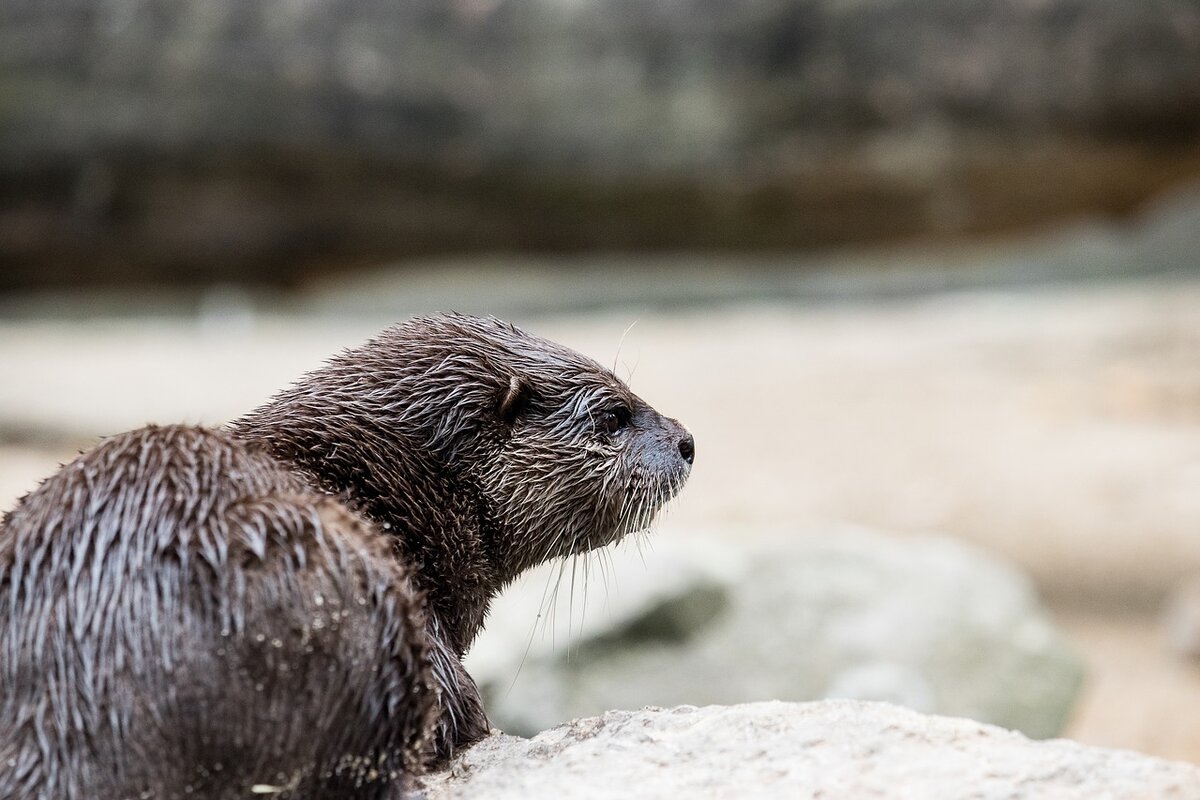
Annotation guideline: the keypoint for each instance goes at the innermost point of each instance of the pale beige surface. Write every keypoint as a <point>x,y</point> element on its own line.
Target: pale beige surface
<point>1059,427</point>
<point>1137,696</point>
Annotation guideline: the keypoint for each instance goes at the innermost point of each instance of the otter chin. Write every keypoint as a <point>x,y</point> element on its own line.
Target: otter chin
<point>285,602</point>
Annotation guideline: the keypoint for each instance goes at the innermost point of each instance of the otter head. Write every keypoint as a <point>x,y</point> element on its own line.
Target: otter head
<point>565,456</point>
<point>450,428</point>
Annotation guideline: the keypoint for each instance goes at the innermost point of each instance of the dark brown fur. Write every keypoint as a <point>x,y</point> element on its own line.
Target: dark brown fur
<point>190,612</point>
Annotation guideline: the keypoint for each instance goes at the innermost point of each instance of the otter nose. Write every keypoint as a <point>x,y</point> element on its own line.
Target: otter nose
<point>687,448</point>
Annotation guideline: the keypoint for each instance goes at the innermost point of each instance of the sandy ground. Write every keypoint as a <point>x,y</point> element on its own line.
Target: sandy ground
<point>1059,427</point>
<point>1137,695</point>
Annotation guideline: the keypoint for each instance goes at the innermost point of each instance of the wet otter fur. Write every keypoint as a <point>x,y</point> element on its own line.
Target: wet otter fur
<point>281,607</point>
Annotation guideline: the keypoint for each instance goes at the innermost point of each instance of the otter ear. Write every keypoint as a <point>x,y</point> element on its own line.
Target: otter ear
<point>514,399</point>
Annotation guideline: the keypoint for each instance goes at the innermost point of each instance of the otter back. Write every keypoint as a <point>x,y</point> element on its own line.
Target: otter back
<point>182,616</point>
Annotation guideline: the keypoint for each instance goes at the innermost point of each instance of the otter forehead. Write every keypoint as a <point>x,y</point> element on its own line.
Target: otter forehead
<point>494,350</point>
<point>491,339</point>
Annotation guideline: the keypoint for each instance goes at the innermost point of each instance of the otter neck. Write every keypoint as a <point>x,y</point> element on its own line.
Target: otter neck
<point>441,528</point>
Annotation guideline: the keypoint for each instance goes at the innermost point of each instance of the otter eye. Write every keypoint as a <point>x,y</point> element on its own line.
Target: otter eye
<point>614,419</point>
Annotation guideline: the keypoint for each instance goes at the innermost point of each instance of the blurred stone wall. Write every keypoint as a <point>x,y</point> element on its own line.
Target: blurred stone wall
<point>263,140</point>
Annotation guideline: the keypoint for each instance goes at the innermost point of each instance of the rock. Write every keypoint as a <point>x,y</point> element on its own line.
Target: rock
<point>224,140</point>
<point>926,622</point>
<point>832,748</point>
<point>1181,619</point>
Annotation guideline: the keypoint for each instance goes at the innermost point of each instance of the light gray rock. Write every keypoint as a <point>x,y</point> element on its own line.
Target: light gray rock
<point>926,622</point>
<point>1181,618</point>
<point>828,749</point>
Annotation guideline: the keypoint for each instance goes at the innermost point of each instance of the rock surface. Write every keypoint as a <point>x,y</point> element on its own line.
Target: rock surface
<point>1181,618</point>
<point>925,622</point>
<point>835,748</point>
<point>231,140</point>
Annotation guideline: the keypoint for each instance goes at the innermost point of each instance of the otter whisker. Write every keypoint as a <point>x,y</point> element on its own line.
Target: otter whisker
<point>571,603</point>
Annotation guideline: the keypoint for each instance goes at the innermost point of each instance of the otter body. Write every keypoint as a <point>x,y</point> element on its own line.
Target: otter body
<point>183,615</point>
<point>281,607</point>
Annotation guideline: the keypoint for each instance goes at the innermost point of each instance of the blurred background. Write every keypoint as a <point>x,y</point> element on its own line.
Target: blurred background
<point>922,277</point>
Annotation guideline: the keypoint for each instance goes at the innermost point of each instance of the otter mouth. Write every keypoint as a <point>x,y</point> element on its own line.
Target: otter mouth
<point>642,502</point>
<point>640,505</point>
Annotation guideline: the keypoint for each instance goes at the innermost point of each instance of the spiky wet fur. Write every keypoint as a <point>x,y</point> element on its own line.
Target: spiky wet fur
<point>199,612</point>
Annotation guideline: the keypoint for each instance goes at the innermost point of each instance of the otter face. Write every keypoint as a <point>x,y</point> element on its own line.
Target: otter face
<point>567,458</point>
<point>584,462</point>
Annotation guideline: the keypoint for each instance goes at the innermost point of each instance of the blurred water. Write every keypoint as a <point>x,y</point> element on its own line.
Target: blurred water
<point>1165,240</point>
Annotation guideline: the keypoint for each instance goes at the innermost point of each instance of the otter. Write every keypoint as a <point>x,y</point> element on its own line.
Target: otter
<point>280,607</point>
